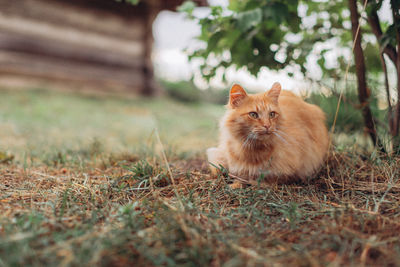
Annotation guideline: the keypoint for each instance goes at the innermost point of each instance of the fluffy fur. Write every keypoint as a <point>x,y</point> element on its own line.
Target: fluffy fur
<point>275,134</point>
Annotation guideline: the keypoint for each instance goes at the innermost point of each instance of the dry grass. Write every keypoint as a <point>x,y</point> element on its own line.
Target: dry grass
<point>92,205</point>
<point>129,212</point>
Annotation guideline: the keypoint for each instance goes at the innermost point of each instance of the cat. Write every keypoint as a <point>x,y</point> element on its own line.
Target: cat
<point>275,135</point>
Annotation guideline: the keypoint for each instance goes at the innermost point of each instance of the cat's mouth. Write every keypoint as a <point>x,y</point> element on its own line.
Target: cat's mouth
<point>266,133</point>
<point>261,133</point>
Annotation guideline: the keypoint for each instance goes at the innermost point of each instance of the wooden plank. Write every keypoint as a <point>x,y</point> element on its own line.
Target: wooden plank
<point>83,15</point>
<point>43,46</point>
<point>100,38</point>
<point>38,29</point>
<point>51,68</point>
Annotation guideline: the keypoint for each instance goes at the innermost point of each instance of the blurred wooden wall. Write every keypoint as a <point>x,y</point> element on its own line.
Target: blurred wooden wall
<point>97,43</point>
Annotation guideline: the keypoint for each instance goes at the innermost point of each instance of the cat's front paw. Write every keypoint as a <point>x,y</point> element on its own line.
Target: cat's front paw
<point>215,159</point>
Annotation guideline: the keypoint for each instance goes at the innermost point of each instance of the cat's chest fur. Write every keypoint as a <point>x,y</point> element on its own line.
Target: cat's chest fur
<point>249,161</point>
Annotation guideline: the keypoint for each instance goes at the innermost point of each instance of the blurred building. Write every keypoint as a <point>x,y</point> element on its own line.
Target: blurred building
<point>102,44</point>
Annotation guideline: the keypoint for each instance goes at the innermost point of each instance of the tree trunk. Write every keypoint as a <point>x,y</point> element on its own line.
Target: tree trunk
<point>396,120</point>
<point>363,94</point>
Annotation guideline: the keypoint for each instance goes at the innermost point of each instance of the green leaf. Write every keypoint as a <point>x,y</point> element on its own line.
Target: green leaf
<point>278,12</point>
<point>249,19</point>
<point>372,59</point>
<point>216,11</point>
<point>389,37</point>
<point>234,5</point>
<point>187,7</point>
<point>230,38</point>
<point>213,41</point>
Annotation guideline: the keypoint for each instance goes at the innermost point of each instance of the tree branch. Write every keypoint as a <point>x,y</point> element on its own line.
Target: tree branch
<point>374,22</point>
<point>363,94</point>
<point>396,22</point>
<point>388,98</point>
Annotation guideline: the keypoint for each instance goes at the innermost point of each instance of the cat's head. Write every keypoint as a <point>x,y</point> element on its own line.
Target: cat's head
<point>253,117</point>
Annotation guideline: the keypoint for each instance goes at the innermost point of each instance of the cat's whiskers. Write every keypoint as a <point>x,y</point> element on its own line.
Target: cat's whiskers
<point>286,135</point>
<point>253,140</point>
<point>280,137</point>
<point>288,140</point>
<point>245,141</point>
<point>250,140</point>
<point>290,128</point>
<point>281,132</point>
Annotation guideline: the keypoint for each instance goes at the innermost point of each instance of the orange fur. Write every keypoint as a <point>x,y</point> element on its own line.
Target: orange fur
<point>285,139</point>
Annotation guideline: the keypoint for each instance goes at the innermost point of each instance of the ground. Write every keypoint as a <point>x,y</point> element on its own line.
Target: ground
<point>111,180</point>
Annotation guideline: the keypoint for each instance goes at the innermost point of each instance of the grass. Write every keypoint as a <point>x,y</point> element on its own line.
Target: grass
<point>85,183</point>
<point>47,125</point>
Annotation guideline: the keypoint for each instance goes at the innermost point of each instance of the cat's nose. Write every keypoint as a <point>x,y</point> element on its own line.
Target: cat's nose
<point>266,127</point>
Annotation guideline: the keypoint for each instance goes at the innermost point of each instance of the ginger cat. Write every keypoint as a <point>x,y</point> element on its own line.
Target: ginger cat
<point>275,134</point>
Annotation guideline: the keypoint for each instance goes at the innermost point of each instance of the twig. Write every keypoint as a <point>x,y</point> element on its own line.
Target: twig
<point>169,169</point>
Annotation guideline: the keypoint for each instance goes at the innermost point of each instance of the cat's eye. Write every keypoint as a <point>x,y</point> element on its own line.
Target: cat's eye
<point>272,114</point>
<point>254,115</point>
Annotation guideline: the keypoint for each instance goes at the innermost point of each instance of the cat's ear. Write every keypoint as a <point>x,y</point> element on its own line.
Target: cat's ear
<point>236,96</point>
<point>274,92</point>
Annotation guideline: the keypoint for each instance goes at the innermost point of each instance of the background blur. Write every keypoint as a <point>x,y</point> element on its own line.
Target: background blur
<point>74,74</point>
